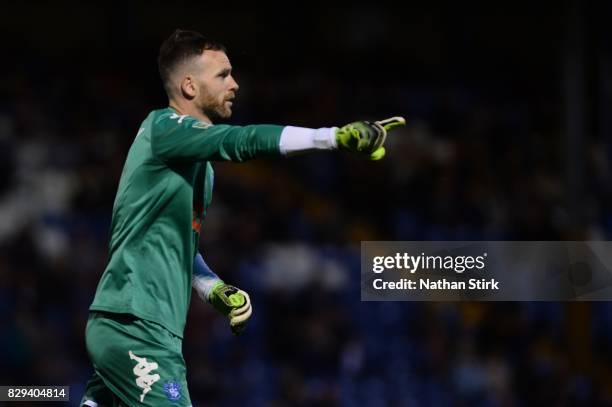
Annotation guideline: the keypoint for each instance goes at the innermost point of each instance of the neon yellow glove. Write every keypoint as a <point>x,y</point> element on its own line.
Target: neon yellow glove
<point>233,303</point>
<point>367,137</point>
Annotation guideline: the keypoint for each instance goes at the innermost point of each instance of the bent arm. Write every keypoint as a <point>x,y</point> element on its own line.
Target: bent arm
<point>204,279</point>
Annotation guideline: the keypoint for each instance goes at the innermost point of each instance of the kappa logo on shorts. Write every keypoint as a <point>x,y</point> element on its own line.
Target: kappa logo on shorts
<point>172,388</point>
<point>144,378</point>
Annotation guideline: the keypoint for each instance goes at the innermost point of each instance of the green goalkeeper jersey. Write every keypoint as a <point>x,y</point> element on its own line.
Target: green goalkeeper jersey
<point>164,191</point>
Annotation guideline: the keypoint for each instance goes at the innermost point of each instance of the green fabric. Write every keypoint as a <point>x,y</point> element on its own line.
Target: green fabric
<point>164,191</point>
<point>98,392</point>
<point>136,362</point>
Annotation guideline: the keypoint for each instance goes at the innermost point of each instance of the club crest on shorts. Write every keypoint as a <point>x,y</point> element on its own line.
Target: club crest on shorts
<point>172,388</point>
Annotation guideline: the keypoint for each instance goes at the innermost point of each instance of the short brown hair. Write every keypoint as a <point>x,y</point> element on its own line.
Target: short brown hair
<point>179,47</point>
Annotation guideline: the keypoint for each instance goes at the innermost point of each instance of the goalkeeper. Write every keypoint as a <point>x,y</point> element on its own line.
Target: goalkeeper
<point>135,328</point>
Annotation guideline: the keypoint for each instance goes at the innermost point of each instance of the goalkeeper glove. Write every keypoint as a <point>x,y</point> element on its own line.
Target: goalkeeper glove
<point>233,303</point>
<point>367,137</point>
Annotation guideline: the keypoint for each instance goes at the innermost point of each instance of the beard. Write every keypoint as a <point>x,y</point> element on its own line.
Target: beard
<point>214,110</point>
<point>216,113</point>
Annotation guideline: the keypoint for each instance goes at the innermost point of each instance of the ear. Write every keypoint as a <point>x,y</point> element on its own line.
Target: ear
<point>188,88</point>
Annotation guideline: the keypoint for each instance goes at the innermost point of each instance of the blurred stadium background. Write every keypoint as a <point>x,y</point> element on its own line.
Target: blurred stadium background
<point>509,138</point>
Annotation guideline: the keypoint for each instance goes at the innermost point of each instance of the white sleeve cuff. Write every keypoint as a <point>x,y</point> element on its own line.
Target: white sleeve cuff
<point>302,139</point>
<point>203,285</point>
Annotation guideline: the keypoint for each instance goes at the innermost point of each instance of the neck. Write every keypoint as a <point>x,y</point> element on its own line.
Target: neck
<point>190,110</point>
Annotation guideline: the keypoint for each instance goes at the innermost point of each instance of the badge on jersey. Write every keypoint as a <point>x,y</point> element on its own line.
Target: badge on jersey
<point>201,125</point>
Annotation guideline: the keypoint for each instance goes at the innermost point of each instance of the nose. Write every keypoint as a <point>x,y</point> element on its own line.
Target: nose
<point>234,85</point>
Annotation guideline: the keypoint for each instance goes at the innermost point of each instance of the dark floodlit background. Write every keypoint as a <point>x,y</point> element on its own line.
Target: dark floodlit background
<point>509,137</point>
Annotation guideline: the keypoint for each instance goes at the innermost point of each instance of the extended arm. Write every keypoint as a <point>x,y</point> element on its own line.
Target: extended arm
<point>177,138</point>
<point>361,137</point>
<point>184,139</point>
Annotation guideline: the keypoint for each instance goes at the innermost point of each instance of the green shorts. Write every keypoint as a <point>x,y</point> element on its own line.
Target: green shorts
<point>136,363</point>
